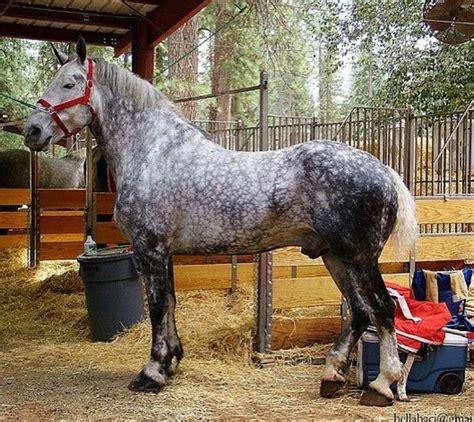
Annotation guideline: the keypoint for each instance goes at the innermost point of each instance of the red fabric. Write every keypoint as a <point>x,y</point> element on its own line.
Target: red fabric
<point>404,291</point>
<point>434,316</point>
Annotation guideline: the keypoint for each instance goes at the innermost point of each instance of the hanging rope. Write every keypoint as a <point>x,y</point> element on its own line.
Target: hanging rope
<point>23,103</point>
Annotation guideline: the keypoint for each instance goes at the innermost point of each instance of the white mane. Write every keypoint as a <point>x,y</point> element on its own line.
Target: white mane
<point>120,80</point>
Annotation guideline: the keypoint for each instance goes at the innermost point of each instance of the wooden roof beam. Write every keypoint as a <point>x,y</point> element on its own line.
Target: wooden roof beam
<point>149,2</point>
<point>166,18</point>
<point>123,44</point>
<point>44,33</point>
<point>69,16</point>
<point>170,15</point>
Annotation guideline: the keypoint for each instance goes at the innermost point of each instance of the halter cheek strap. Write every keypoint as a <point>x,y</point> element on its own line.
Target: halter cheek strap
<point>83,100</point>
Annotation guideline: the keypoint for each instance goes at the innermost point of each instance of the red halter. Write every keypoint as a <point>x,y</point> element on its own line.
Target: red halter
<point>84,99</point>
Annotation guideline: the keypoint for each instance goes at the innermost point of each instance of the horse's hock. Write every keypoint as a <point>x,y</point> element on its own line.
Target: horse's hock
<point>300,304</point>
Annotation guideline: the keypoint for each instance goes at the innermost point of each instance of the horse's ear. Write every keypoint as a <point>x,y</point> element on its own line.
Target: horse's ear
<point>62,58</point>
<point>81,49</point>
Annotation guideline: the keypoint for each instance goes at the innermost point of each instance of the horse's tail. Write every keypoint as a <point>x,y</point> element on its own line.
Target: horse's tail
<point>406,227</point>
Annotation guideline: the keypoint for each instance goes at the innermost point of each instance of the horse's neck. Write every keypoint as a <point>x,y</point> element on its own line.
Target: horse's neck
<point>127,135</point>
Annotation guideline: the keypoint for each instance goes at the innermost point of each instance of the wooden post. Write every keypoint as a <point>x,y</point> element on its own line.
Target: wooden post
<point>143,57</point>
<point>410,176</point>
<point>264,284</point>
<point>89,184</point>
<point>33,233</point>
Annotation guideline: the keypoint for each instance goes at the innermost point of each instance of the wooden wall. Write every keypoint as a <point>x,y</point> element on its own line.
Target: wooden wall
<point>14,221</point>
<point>310,285</point>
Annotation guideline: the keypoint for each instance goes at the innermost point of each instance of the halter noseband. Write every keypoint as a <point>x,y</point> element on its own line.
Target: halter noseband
<point>84,100</point>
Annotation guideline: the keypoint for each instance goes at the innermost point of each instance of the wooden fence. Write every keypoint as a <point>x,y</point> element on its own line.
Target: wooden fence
<point>297,281</point>
<point>310,285</point>
<point>61,235</point>
<point>14,220</point>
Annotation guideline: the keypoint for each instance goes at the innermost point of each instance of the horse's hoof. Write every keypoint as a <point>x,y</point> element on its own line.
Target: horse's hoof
<point>144,384</point>
<point>329,389</point>
<point>370,397</point>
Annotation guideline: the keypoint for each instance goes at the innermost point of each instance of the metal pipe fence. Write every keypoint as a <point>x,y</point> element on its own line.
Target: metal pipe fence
<point>441,158</point>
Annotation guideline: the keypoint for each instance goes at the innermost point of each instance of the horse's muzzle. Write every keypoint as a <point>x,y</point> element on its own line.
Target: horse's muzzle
<point>36,138</point>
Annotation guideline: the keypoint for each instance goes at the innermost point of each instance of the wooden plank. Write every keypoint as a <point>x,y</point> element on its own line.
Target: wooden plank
<point>304,292</point>
<point>62,198</point>
<point>105,202</point>
<point>62,237</point>
<point>285,257</point>
<point>287,333</point>
<point>13,241</point>
<point>320,270</point>
<point>435,248</point>
<point>56,213</point>
<point>108,233</point>
<point>393,253</point>
<point>14,196</point>
<point>403,279</point>
<point>209,259</point>
<point>60,250</point>
<point>61,224</point>
<point>431,211</point>
<point>13,220</point>
<point>191,277</point>
<point>318,291</point>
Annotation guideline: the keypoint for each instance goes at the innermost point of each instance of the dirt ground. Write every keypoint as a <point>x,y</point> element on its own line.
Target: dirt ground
<point>50,370</point>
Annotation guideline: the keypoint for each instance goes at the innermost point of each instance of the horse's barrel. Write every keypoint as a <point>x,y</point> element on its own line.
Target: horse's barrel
<point>114,293</point>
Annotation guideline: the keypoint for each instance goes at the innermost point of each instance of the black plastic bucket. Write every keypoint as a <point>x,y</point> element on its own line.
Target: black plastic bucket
<point>114,293</point>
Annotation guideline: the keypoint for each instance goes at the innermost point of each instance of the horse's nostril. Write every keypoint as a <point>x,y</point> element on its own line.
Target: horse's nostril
<point>34,131</point>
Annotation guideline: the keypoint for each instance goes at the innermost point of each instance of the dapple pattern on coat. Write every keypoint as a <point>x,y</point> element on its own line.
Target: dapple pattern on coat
<point>180,193</point>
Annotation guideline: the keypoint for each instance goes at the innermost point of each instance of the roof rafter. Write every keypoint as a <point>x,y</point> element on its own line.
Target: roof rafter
<point>166,19</point>
<point>70,16</point>
<point>57,34</point>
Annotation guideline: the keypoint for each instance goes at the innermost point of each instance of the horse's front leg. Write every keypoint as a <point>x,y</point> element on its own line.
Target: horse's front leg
<point>166,350</point>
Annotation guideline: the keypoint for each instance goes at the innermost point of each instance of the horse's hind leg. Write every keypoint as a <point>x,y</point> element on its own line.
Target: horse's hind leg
<point>381,310</point>
<point>166,350</point>
<point>336,368</point>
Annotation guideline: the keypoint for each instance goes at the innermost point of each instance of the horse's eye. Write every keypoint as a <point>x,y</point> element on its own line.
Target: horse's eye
<point>69,86</point>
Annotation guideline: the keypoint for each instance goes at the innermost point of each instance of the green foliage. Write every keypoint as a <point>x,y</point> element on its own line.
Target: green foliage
<point>302,43</point>
<point>408,67</point>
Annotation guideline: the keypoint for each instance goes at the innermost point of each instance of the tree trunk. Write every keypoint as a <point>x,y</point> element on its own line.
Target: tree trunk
<point>184,70</point>
<point>223,52</point>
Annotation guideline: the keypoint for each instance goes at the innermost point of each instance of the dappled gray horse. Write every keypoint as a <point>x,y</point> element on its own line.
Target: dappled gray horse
<point>65,172</point>
<point>180,193</point>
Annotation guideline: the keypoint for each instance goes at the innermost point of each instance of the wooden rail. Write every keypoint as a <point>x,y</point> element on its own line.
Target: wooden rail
<point>298,282</point>
<point>309,284</point>
<point>61,223</point>
<point>13,218</point>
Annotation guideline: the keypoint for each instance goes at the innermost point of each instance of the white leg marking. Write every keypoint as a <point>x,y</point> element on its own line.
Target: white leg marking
<point>402,383</point>
<point>390,365</point>
<point>335,362</point>
<point>152,370</point>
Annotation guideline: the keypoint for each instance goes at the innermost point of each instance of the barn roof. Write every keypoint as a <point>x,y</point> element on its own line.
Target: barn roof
<point>107,23</point>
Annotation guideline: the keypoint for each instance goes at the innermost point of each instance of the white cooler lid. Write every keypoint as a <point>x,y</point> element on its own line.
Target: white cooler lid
<point>449,339</point>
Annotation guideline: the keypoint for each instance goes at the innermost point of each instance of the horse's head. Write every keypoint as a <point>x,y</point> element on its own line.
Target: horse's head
<point>66,105</point>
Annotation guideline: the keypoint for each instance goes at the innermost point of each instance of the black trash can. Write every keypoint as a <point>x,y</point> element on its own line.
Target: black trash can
<point>114,293</point>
